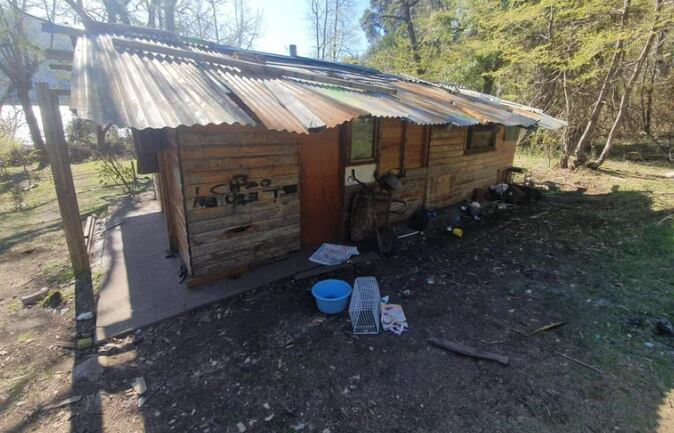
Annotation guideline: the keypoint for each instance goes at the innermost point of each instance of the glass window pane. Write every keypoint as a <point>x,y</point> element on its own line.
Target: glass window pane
<point>481,137</point>
<point>362,139</point>
<point>512,133</point>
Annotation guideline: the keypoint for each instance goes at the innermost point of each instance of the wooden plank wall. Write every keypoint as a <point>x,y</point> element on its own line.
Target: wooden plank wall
<point>241,195</point>
<point>239,204</point>
<point>391,135</point>
<point>172,196</point>
<point>453,175</point>
<point>401,149</point>
<point>435,171</point>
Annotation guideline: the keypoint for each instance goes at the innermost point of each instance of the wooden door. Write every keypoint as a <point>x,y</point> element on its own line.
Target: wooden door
<point>320,188</point>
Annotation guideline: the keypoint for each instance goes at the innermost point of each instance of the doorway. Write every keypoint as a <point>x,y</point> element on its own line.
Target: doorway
<point>320,187</point>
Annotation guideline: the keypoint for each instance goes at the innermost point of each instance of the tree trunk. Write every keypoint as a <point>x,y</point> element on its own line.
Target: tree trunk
<point>33,127</point>
<point>648,106</point>
<point>580,153</point>
<point>412,35</point>
<point>170,15</point>
<point>334,31</point>
<point>100,138</point>
<point>628,88</point>
<point>487,84</point>
<point>566,140</point>
<point>151,14</point>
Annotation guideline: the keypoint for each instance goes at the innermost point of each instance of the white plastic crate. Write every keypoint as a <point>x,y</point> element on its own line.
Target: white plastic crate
<point>364,306</point>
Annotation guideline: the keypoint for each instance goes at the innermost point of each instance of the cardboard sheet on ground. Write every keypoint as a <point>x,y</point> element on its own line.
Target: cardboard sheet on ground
<point>332,254</point>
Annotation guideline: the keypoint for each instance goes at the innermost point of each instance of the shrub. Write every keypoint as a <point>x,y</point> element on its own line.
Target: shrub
<point>113,172</point>
<point>83,142</point>
<point>19,156</point>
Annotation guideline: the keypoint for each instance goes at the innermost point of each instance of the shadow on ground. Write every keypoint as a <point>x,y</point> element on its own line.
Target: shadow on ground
<point>268,361</point>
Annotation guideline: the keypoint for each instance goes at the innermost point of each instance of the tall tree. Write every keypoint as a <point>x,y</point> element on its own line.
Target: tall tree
<point>245,27</point>
<point>580,153</point>
<point>624,100</point>
<point>19,59</point>
<point>386,19</point>
<point>332,28</point>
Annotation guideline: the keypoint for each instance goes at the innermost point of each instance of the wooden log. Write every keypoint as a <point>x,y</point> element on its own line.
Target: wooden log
<point>63,180</point>
<point>467,351</point>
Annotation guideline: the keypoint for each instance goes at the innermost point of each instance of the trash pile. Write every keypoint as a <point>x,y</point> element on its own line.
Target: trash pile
<point>367,309</point>
<point>483,202</point>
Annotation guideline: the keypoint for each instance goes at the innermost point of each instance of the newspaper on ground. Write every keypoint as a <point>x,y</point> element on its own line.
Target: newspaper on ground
<point>332,254</point>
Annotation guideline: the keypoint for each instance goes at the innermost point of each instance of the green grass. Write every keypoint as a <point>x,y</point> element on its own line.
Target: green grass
<point>41,214</point>
<point>622,228</point>
<point>15,307</point>
<point>25,338</point>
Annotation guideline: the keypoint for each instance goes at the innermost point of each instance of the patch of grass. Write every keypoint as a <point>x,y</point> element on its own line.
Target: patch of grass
<point>25,338</point>
<point>41,214</point>
<point>620,226</point>
<point>96,278</point>
<point>57,273</point>
<point>15,307</point>
<point>53,299</point>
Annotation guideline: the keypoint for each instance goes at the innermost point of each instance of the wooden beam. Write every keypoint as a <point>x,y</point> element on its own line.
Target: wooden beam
<point>60,92</point>
<point>59,55</point>
<point>61,29</point>
<point>403,147</point>
<point>63,180</point>
<point>273,71</point>
<point>60,67</point>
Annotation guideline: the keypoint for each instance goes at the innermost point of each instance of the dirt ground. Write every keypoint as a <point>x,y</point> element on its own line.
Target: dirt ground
<point>597,251</point>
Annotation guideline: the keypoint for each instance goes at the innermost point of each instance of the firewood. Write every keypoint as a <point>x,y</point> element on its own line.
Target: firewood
<point>467,351</point>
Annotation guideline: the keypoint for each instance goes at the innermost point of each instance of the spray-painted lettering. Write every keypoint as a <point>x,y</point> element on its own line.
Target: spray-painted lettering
<point>241,190</point>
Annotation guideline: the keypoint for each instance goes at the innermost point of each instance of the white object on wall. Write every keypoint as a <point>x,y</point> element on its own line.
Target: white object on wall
<point>364,173</point>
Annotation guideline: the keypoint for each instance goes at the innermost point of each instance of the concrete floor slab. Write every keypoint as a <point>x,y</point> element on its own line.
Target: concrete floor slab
<point>140,285</point>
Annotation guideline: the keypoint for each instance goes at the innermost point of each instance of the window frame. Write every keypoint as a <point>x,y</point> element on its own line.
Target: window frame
<point>469,150</point>
<point>375,144</point>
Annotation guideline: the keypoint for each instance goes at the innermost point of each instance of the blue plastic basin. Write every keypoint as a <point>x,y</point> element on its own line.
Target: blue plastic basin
<point>332,296</point>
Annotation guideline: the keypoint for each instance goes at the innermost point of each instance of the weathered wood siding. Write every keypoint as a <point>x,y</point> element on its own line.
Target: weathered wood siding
<point>390,137</point>
<point>172,196</point>
<point>452,174</point>
<point>241,195</point>
<point>400,145</point>
<point>434,169</point>
<point>234,191</point>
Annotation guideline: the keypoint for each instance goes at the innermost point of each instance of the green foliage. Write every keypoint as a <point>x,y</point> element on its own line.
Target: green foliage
<point>53,299</point>
<point>84,143</point>
<point>17,183</point>
<point>19,156</point>
<point>112,172</point>
<point>552,54</point>
<point>17,194</point>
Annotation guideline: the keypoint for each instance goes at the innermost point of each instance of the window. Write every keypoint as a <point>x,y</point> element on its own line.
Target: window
<point>481,138</point>
<point>512,133</point>
<point>361,146</point>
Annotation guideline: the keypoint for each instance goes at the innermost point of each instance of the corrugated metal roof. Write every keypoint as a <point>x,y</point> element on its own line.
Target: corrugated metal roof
<point>135,80</point>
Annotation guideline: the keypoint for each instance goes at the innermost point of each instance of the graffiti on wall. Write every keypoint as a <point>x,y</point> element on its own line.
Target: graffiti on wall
<point>240,191</point>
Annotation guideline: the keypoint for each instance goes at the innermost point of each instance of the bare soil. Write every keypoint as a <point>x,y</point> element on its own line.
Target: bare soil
<point>268,361</point>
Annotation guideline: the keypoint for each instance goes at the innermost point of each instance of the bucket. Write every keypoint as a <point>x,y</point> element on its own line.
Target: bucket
<point>332,296</point>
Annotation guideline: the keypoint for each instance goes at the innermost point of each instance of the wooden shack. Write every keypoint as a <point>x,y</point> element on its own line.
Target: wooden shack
<point>255,152</point>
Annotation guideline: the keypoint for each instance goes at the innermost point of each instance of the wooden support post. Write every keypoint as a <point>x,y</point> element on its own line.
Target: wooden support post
<point>63,180</point>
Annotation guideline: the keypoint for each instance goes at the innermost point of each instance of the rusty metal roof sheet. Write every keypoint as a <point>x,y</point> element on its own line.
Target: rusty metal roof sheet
<point>131,79</point>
